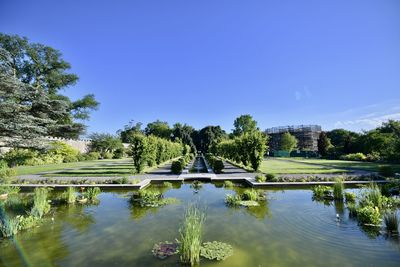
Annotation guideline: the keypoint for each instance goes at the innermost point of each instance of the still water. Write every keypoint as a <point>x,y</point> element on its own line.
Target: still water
<point>289,229</point>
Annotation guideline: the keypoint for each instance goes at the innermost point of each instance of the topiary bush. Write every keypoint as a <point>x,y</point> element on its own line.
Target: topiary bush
<point>270,177</point>
<point>261,178</point>
<point>218,166</point>
<point>354,157</point>
<point>177,167</point>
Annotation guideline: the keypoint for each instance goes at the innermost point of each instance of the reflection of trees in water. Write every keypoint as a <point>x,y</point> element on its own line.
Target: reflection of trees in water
<point>76,216</point>
<point>339,207</point>
<point>260,212</point>
<point>138,212</point>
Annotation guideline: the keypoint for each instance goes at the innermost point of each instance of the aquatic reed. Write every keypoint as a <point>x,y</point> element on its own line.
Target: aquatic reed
<point>191,235</point>
<point>40,203</point>
<point>391,222</point>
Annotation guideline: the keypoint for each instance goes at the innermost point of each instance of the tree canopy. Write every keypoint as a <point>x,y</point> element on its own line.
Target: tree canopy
<point>244,124</point>
<point>288,142</point>
<point>42,68</point>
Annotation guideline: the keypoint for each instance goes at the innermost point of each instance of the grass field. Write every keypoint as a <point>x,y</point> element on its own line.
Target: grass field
<point>360,165</point>
<point>107,167</point>
<point>282,166</point>
<point>318,166</point>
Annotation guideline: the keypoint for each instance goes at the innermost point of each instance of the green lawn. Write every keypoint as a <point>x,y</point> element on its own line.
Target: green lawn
<point>367,166</point>
<point>282,166</point>
<point>107,167</point>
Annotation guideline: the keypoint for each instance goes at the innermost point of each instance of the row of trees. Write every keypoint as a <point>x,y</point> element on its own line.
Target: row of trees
<point>31,105</point>
<point>152,150</point>
<point>246,145</point>
<point>382,143</point>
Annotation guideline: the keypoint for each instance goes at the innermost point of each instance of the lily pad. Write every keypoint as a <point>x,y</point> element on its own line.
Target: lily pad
<point>165,249</point>
<point>216,250</point>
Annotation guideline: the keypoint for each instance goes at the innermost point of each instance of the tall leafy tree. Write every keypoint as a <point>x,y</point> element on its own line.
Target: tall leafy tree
<point>158,128</point>
<point>129,130</point>
<point>105,143</point>
<point>27,114</point>
<point>288,142</point>
<point>43,68</point>
<point>244,124</point>
<point>324,144</point>
<point>208,136</point>
<point>138,145</point>
<point>254,144</point>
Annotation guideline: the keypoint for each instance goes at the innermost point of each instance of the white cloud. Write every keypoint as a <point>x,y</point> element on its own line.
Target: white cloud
<point>369,120</point>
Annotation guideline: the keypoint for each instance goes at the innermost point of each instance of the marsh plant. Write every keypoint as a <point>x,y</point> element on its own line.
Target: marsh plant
<point>190,235</point>
<point>69,195</point>
<point>321,192</point>
<point>151,198</point>
<point>350,197</point>
<point>248,198</point>
<point>216,250</point>
<point>91,193</point>
<point>41,205</point>
<point>338,189</point>
<point>391,222</point>
<point>369,215</point>
<point>9,226</point>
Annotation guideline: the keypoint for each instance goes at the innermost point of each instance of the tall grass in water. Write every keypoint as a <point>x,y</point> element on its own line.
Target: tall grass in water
<point>8,226</point>
<point>374,195</point>
<point>70,195</point>
<point>391,222</point>
<point>91,193</point>
<point>191,235</point>
<point>338,189</point>
<point>40,204</point>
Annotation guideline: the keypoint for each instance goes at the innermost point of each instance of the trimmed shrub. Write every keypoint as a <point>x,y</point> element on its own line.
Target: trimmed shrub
<point>108,155</point>
<point>177,167</point>
<point>218,166</point>
<point>261,178</point>
<point>354,157</point>
<point>92,156</point>
<point>270,177</point>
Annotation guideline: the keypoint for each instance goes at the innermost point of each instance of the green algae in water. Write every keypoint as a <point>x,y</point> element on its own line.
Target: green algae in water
<point>216,250</point>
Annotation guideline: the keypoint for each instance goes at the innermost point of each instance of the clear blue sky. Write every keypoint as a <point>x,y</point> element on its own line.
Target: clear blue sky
<point>334,63</point>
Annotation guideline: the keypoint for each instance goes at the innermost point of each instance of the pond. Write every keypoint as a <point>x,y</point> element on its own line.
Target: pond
<point>288,229</point>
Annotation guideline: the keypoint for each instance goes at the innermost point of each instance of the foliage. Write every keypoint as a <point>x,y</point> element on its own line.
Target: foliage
<point>369,215</point>
<point>350,197</point>
<point>6,173</point>
<point>122,180</point>
<point>105,144</point>
<point>158,128</point>
<point>270,177</point>
<point>288,142</point>
<point>190,234</point>
<point>167,185</point>
<point>151,198</point>
<point>324,144</point>
<point>338,189</point>
<point>322,192</point>
<point>9,226</point>
<point>37,73</point>
<point>91,193</point>
<point>391,222</point>
<point>177,167</point>
<point>165,249</point>
<point>372,196</point>
<point>69,195</point>
<point>61,150</point>
<point>138,145</point>
<point>249,197</point>
<point>260,178</point>
<point>254,144</point>
<point>229,184</point>
<point>40,204</point>
<point>354,157</point>
<point>386,171</point>
<point>218,166</point>
<point>216,250</point>
<point>207,138</point>
<point>244,124</point>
